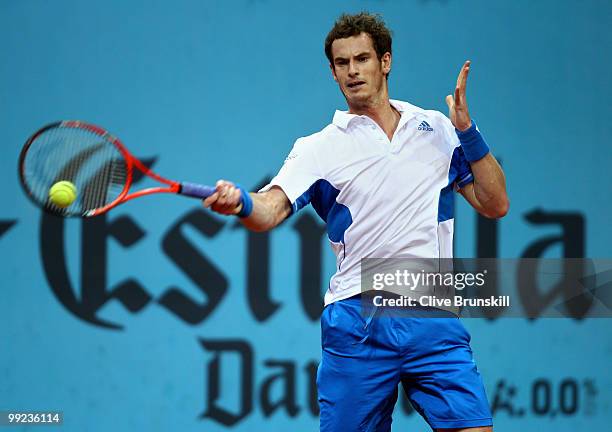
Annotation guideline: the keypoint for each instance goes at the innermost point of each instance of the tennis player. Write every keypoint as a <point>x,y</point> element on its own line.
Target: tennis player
<point>382,176</point>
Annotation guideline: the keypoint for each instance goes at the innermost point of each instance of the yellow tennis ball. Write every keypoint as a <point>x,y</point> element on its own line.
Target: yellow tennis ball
<point>62,193</point>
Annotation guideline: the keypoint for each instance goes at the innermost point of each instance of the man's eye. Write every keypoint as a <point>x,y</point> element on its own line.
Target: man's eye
<point>363,59</point>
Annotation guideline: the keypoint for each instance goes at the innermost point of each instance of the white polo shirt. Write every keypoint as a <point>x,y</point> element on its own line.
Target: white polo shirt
<point>379,198</point>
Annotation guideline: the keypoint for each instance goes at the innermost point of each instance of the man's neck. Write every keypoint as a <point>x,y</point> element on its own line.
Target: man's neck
<point>382,113</point>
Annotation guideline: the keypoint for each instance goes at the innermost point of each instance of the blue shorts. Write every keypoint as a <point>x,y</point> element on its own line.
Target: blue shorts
<point>365,359</point>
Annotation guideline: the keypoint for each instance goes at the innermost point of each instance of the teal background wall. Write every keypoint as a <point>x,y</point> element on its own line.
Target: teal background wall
<point>214,89</point>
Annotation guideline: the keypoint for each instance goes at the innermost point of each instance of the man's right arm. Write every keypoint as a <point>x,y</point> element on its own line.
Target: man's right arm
<point>270,208</point>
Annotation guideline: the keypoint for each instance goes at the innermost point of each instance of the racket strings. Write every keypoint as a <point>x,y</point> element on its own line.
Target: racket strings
<point>102,185</point>
<point>93,164</point>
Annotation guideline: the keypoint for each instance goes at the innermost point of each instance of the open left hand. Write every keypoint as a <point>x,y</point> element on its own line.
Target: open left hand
<point>457,104</point>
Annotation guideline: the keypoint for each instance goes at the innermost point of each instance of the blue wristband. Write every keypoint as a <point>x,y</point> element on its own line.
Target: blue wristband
<point>247,202</point>
<point>473,144</point>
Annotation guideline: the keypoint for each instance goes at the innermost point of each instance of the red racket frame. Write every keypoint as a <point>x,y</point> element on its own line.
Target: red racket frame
<point>130,160</point>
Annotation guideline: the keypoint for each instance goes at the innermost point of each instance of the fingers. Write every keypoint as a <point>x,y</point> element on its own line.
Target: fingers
<point>225,200</point>
<point>228,198</point>
<point>466,68</point>
<point>462,83</point>
<point>463,73</point>
<point>210,200</point>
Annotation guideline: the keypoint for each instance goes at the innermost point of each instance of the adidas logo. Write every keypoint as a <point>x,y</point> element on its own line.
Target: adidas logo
<point>424,126</point>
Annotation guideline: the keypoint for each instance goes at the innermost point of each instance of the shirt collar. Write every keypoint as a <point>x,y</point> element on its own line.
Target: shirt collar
<point>343,118</point>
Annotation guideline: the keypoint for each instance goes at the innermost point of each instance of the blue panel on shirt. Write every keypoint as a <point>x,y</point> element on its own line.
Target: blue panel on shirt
<point>446,204</point>
<point>323,196</point>
<point>459,172</point>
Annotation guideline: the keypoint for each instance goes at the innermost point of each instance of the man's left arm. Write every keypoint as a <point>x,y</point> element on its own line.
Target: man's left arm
<point>487,194</point>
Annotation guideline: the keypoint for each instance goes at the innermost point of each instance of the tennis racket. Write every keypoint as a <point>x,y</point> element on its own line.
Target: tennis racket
<point>96,163</point>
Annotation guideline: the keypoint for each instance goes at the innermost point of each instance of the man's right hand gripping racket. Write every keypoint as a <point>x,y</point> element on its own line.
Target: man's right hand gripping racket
<point>72,168</point>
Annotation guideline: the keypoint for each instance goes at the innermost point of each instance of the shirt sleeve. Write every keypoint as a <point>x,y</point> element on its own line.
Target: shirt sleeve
<point>460,170</point>
<point>298,175</point>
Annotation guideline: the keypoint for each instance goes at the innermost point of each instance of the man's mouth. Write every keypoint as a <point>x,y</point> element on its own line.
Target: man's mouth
<point>355,84</point>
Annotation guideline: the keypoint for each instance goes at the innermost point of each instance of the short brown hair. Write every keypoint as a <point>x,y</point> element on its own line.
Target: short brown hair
<point>353,25</point>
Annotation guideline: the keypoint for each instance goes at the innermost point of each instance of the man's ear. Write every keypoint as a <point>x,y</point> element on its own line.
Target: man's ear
<point>385,63</point>
<point>333,71</point>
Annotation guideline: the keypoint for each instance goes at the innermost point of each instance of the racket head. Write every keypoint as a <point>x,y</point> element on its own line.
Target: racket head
<point>88,156</point>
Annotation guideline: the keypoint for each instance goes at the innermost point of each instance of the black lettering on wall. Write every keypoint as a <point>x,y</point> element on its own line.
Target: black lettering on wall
<point>312,396</point>
<point>503,398</point>
<point>94,292</point>
<point>572,236</point>
<point>287,379</point>
<point>5,225</point>
<point>213,410</point>
<point>576,300</point>
<point>211,281</point>
<point>486,237</point>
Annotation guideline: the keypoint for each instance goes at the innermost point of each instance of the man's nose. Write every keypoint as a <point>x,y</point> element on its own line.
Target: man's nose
<point>353,71</point>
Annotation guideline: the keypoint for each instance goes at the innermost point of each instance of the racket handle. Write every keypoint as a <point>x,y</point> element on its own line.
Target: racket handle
<point>195,190</point>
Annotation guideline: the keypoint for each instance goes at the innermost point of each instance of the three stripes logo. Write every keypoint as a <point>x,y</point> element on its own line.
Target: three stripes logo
<point>424,126</point>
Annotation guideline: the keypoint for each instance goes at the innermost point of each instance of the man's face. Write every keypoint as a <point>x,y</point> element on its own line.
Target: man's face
<point>358,71</point>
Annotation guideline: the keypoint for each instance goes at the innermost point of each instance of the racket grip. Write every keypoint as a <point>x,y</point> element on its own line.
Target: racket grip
<point>195,190</point>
